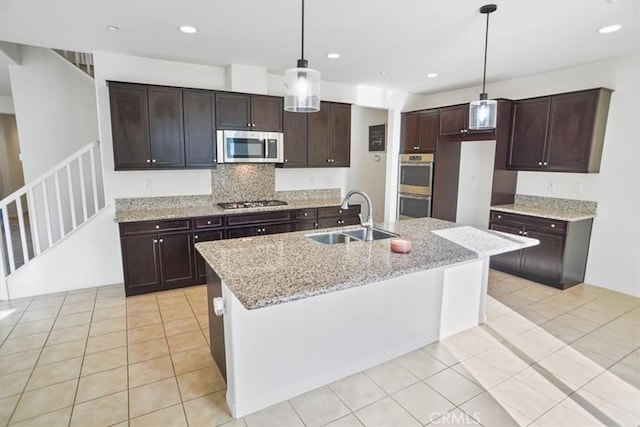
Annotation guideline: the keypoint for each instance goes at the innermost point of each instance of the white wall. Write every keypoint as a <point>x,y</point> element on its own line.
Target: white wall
<point>614,253</point>
<point>6,105</point>
<point>55,107</point>
<point>10,166</point>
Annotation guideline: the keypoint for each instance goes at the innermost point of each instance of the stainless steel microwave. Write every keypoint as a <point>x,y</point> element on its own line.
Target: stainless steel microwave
<point>238,146</point>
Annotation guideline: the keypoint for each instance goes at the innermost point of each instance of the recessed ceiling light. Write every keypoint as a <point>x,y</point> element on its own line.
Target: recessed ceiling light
<point>383,73</point>
<point>432,75</point>
<point>112,28</point>
<point>610,29</point>
<point>333,55</point>
<point>188,29</point>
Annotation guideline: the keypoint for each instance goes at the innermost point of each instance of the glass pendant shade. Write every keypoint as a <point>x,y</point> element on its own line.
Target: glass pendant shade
<point>301,90</point>
<point>483,113</point>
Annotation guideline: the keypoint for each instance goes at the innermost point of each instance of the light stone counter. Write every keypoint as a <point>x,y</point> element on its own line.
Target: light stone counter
<point>549,207</point>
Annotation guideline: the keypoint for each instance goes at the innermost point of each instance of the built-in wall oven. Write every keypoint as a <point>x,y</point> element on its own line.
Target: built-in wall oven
<point>415,179</point>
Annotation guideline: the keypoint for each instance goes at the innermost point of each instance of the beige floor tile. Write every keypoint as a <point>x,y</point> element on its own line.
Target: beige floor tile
<point>601,351</point>
<point>14,383</point>
<point>179,300</point>
<point>29,328</point>
<point>420,364</point>
<point>561,416</point>
<point>480,372</point>
<point>391,377</point>
<point>200,308</point>
<point>148,350</point>
<point>386,412</point>
<point>37,402</point>
<point>170,293</point>
<point>141,299</point>
<point>56,418</point>
<point>144,319</point>
<point>150,371</point>
<point>18,361</point>
<point>145,333</point>
<point>39,314</point>
<point>513,301</point>
<point>446,354</point>
<point>54,373</point>
<point>532,293</point>
<point>151,397</point>
<point>7,405</point>
<point>103,411</point>
<point>565,333</point>
<point>77,307</point>
<point>489,412</point>
<point>72,320</point>
<point>455,418</point>
<point>281,414</point>
<point>510,326</point>
<point>58,352</point>
<point>422,402</point>
<point>176,312</point>
<point>17,345</point>
<point>357,391</point>
<point>186,341</point>
<point>472,341</point>
<point>101,384</point>
<point>73,333</point>
<point>47,302</point>
<point>628,341</point>
<point>544,383</point>
<point>110,302</point>
<point>609,309</point>
<point>628,369</point>
<point>522,398</point>
<point>104,361</point>
<point>572,374</point>
<point>318,407</point>
<point>592,315</point>
<point>504,359</point>
<point>172,416</point>
<point>536,344</point>
<point>203,320</point>
<point>180,326</point>
<point>191,360</point>
<point>106,342</point>
<point>614,413</point>
<point>455,387</point>
<point>143,307</point>
<point>80,297</point>
<point>208,410</point>
<point>348,421</point>
<point>198,383</point>
<point>611,388</point>
<point>109,313</point>
<point>108,326</point>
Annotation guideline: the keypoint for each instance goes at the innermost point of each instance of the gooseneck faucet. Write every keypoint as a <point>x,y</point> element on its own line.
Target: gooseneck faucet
<point>369,223</point>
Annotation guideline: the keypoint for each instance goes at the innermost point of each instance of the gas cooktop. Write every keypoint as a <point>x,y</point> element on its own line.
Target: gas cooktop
<point>252,204</point>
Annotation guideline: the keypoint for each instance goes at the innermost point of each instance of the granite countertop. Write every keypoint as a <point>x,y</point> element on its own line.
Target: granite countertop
<point>212,209</point>
<point>544,212</point>
<point>267,270</point>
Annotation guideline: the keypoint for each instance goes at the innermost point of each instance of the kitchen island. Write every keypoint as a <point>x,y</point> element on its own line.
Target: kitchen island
<point>299,314</point>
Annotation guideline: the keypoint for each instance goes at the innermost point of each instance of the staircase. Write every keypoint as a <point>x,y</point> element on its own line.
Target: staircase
<point>82,60</point>
<point>42,213</point>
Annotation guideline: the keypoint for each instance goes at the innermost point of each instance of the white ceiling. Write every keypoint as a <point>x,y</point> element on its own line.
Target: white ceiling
<point>407,39</point>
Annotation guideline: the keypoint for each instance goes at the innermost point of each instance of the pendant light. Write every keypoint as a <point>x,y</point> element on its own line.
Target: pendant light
<point>302,84</point>
<point>483,112</point>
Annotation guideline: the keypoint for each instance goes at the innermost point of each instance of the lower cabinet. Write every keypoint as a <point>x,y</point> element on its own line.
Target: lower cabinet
<point>335,216</point>
<point>204,236</point>
<point>559,260</point>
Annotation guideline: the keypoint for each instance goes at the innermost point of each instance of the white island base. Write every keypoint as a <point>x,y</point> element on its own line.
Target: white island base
<point>281,351</point>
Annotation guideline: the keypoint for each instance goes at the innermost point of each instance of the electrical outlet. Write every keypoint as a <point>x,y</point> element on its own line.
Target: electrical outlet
<point>577,188</point>
<point>551,186</point>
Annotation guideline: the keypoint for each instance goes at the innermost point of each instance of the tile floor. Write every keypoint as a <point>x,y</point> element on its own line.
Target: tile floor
<point>544,358</point>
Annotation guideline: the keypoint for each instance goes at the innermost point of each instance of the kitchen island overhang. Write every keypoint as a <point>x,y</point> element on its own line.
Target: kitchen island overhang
<point>279,343</point>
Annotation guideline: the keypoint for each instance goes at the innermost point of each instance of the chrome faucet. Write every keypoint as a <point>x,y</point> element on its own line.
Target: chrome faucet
<point>369,223</point>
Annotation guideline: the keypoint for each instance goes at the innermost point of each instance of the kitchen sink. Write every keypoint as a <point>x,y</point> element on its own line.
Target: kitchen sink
<point>333,237</point>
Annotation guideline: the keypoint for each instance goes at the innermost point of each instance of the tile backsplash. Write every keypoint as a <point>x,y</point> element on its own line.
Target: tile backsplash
<point>235,182</point>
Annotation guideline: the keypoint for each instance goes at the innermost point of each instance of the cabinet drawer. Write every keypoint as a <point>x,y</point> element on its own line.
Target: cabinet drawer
<point>335,211</point>
<point>258,218</point>
<point>531,222</point>
<point>142,227</point>
<point>305,214</point>
<point>208,222</point>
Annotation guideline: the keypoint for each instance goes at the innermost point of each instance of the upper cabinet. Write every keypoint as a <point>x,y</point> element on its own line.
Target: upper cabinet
<point>295,139</point>
<point>559,133</point>
<point>166,128</point>
<point>419,131</point>
<point>130,125</point>
<point>248,112</point>
<point>199,128</point>
<point>454,124</point>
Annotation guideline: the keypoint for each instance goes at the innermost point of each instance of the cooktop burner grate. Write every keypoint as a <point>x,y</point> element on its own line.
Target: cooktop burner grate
<point>252,204</point>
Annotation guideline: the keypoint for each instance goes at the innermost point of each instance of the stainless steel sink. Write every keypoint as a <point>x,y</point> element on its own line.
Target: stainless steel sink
<point>378,234</point>
<point>333,237</point>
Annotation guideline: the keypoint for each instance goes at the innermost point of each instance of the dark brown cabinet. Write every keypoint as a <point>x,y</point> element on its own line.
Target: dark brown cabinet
<point>295,139</point>
<point>559,260</point>
<point>329,136</point>
<point>446,178</point>
<point>130,125</point>
<point>560,133</point>
<point>199,128</point>
<point>237,111</point>
<point>419,132</point>
<point>453,120</point>
<point>166,129</point>
<point>335,216</point>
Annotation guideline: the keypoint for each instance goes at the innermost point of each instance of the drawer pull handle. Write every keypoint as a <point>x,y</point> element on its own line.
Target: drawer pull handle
<point>157,227</point>
<point>305,214</point>
<point>161,240</point>
<point>520,232</point>
<point>208,222</point>
<point>553,226</point>
<point>499,216</point>
<point>195,237</point>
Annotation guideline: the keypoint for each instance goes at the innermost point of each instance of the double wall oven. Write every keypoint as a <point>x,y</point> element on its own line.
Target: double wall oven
<point>415,180</point>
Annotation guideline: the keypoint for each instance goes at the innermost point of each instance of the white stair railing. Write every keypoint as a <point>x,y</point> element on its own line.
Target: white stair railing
<point>40,214</point>
<point>82,60</point>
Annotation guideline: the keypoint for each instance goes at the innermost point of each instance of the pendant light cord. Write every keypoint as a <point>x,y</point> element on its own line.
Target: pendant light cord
<point>302,53</point>
<point>486,44</point>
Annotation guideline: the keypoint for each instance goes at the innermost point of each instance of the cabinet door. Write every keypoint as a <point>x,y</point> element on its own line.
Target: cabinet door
<point>141,264</point>
<point>276,228</point>
<point>340,139</point>
<point>570,131</point>
<point>453,120</point>
<point>428,131</point>
<point>176,258</point>
<point>304,225</point>
<point>166,129</point>
<point>266,113</point>
<point>249,231</point>
<point>511,260</point>
<point>528,133</point>
<point>445,181</point>
<point>201,265</point>
<point>329,222</point>
<point>546,259</point>
<point>295,139</point>
<point>233,111</point>
<point>199,128</point>
<point>130,126</point>
<point>409,134</point>
<point>318,136</point>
